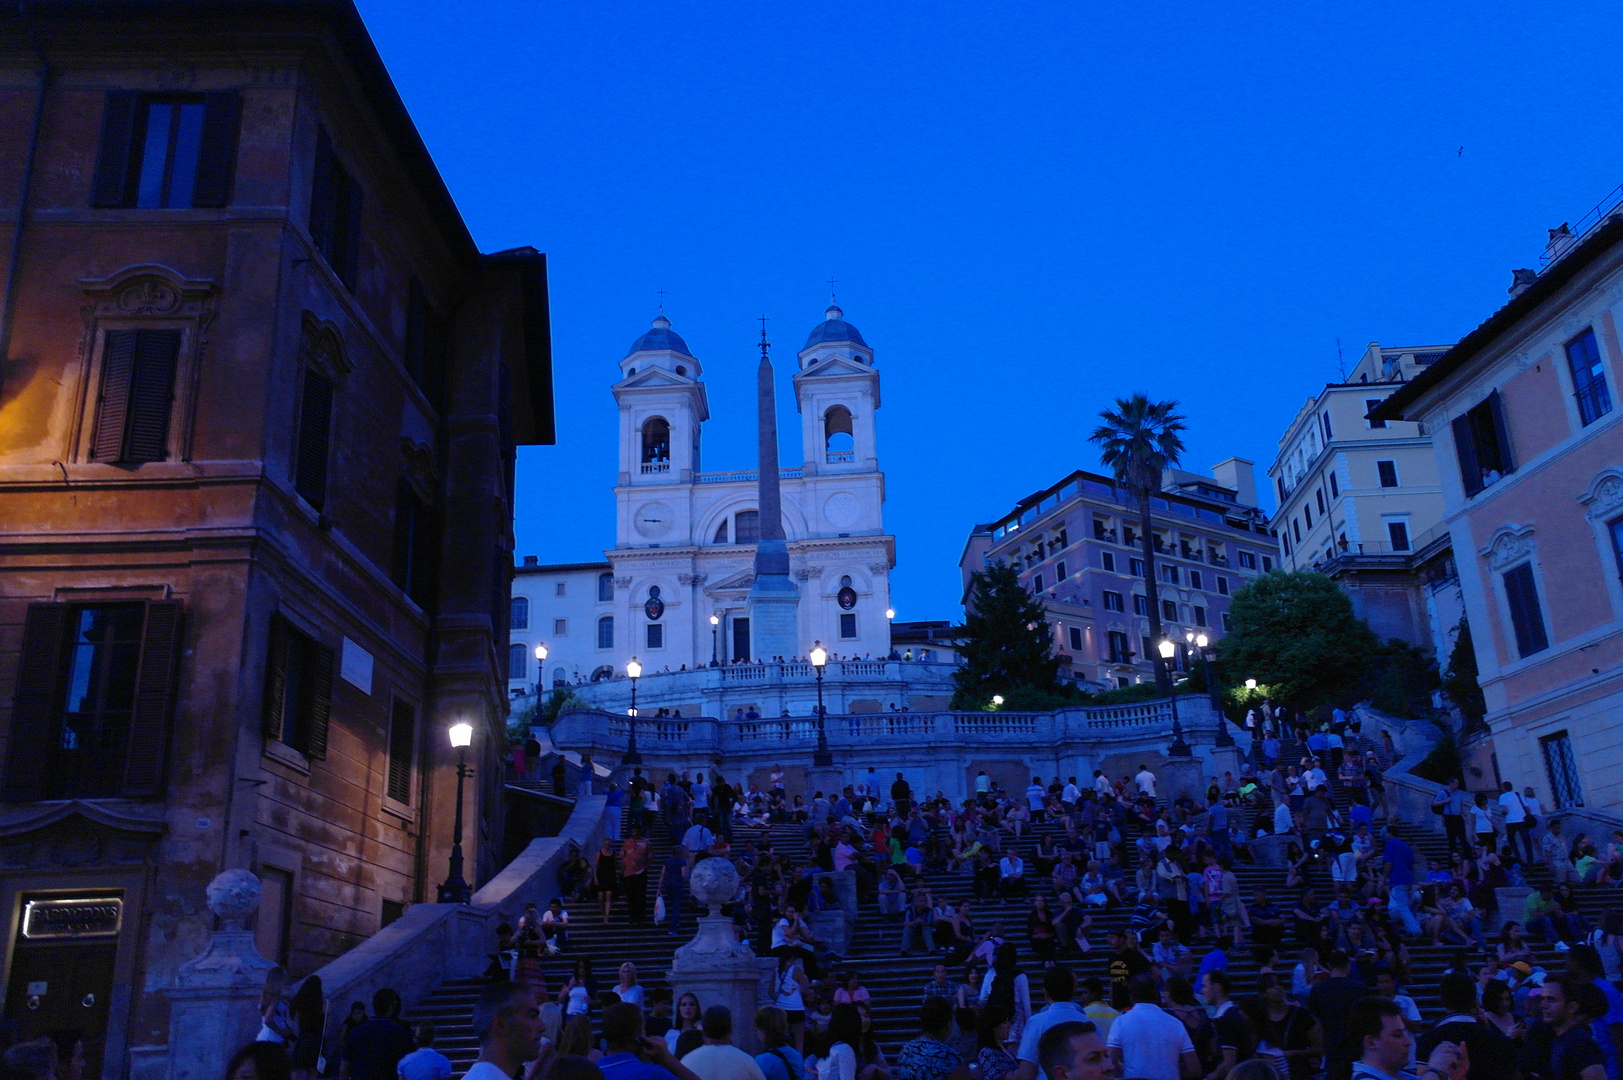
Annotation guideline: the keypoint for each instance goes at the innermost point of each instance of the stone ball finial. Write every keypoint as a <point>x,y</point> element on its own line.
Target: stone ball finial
<point>233,895</point>
<point>714,882</point>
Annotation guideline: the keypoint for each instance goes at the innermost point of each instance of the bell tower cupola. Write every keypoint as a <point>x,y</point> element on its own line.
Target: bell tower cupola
<point>837,393</point>
<point>662,405</point>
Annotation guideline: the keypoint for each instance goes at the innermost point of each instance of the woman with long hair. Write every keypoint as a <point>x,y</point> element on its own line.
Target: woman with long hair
<point>838,1060</point>
<point>871,1063</point>
<point>1499,1008</point>
<point>1007,988</point>
<point>580,991</point>
<point>688,1011</point>
<point>276,1018</point>
<point>1040,928</point>
<point>779,1058</point>
<point>309,1011</point>
<point>1512,947</point>
<point>260,1060</point>
<point>992,1057</point>
<point>627,987</point>
<point>576,1040</point>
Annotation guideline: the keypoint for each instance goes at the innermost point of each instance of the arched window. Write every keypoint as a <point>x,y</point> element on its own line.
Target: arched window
<point>559,676</point>
<point>721,533</point>
<point>605,586</point>
<point>518,614</point>
<point>601,673</point>
<point>517,657</point>
<point>747,527</point>
<point>845,581</point>
<point>605,632</point>
<point>656,441</point>
<point>653,592</point>
<point>837,437</point>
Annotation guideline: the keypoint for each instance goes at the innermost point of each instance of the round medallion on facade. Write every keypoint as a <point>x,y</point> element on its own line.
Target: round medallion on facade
<point>847,598</point>
<point>842,509</point>
<point>654,520</point>
<point>654,609</point>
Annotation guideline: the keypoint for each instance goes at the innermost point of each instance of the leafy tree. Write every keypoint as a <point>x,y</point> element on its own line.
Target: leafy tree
<point>560,699</point>
<point>1139,439</point>
<point>1005,641</point>
<point>519,722</point>
<point>1296,633</point>
<point>1460,678</point>
<point>1401,679</point>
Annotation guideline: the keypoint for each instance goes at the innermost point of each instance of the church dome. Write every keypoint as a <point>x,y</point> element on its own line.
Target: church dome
<point>660,338</point>
<point>834,328</point>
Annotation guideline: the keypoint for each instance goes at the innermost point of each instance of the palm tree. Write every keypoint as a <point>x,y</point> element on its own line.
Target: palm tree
<point>1139,439</point>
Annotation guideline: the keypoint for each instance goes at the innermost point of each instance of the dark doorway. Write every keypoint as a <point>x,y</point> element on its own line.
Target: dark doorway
<point>63,986</point>
<point>741,639</point>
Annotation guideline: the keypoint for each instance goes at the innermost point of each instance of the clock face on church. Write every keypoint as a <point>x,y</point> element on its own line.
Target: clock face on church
<point>653,520</point>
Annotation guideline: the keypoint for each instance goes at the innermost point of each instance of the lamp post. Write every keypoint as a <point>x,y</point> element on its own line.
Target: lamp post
<point>1201,641</point>
<point>1168,648</point>
<point>715,622</point>
<point>632,757</point>
<point>540,671</point>
<point>997,701</point>
<point>455,890</point>
<point>818,656</point>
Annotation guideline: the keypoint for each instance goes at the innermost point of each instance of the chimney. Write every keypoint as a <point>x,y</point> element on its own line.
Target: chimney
<point>1521,281</point>
<point>532,560</point>
<point>1561,239</point>
<point>1239,475</point>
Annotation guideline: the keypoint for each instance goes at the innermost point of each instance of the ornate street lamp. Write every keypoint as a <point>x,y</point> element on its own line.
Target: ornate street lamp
<point>1169,648</point>
<point>540,671</point>
<point>822,759</point>
<point>715,622</point>
<point>1201,641</point>
<point>632,757</point>
<point>456,890</point>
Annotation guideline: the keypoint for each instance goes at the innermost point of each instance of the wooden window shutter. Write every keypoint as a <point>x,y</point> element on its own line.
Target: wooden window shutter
<point>113,404</point>
<point>319,706</point>
<point>315,433</point>
<point>152,395</point>
<point>154,701</point>
<point>281,639</point>
<point>1465,448</point>
<point>1501,434</point>
<point>1526,619</point>
<point>36,713</point>
<point>349,255</point>
<point>402,749</point>
<point>405,536</point>
<point>217,155</point>
<point>112,184</point>
<point>322,194</point>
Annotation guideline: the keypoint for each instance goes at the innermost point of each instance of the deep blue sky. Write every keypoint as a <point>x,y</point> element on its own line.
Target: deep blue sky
<point>1030,209</point>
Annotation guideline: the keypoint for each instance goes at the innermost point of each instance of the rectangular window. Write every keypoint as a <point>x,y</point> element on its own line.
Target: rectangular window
<point>1319,494</point>
<point>1267,564</point>
<point>402,750</point>
<point>559,589</point>
<point>605,632</point>
<point>560,627</point>
<point>848,625</point>
<point>1398,533</point>
<point>335,213</point>
<point>1482,444</point>
<point>1169,574</point>
<point>1562,768</point>
<point>518,613</point>
<point>1248,560</point>
<point>1335,485</point>
<point>1222,586</point>
<point>1113,601</point>
<point>1118,648</point>
<point>161,151</point>
<point>1526,617</point>
<point>1225,622</point>
<point>1285,540</point>
<point>1076,638</point>
<point>1107,561</point>
<point>137,392</point>
<point>1136,567</point>
<point>314,441</point>
<point>517,662</point>
<point>1328,433</point>
<point>1200,616</point>
<point>1147,651</point>
<point>1296,529</point>
<point>747,527</point>
<point>1616,529</point>
<point>1588,378</point>
<point>605,587</point>
<point>1307,516</point>
<point>1194,579</point>
<point>1369,407</point>
<point>1059,573</point>
<point>1037,583</point>
<point>416,546</point>
<point>1388,472</point>
<point>298,689</point>
<point>1141,604</point>
<point>425,345</point>
<point>656,635</point>
<point>275,915</point>
<point>1169,610</point>
<point>741,638</point>
<point>390,911</point>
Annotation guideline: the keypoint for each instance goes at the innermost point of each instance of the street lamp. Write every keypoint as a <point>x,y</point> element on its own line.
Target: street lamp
<point>890,613</point>
<point>540,669</point>
<point>1168,648</point>
<point>715,621</point>
<point>997,701</point>
<point>634,671</point>
<point>1251,684</point>
<point>456,890</point>
<point>1200,641</point>
<point>818,656</point>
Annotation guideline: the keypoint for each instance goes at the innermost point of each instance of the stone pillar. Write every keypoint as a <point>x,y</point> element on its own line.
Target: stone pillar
<point>214,1004</point>
<point>716,966</point>
<point>1181,776</point>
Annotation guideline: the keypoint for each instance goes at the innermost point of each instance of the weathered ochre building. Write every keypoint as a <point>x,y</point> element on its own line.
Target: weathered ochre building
<point>259,399</point>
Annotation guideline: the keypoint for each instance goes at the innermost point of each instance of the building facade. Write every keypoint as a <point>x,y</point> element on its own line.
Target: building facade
<point>1360,500</point>
<point>259,402</point>
<point>1529,448</point>
<point>685,538</point>
<point>1077,548</point>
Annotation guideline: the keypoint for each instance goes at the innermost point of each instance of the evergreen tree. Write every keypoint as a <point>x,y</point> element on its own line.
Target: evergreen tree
<point>1460,679</point>
<point>1005,641</point>
<point>1296,633</point>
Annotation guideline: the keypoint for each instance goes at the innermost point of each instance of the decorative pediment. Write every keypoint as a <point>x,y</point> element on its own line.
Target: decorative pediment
<point>653,377</point>
<point>1509,546</point>
<point>151,290</point>
<point>829,366</point>
<point>421,469</point>
<point>1605,496</point>
<point>736,582</point>
<point>74,833</point>
<point>321,346</point>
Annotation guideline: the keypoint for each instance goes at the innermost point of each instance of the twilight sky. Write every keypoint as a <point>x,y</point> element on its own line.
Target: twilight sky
<point>1030,209</point>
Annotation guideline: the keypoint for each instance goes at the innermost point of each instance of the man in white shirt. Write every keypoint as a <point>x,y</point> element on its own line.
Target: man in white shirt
<point>1146,1042</point>
<point>1011,870</point>
<point>1516,823</point>
<point>1060,986</point>
<point>1145,781</point>
<point>718,1058</point>
<point>1101,783</point>
<point>698,838</point>
<point>1072,794</point>
<point>1035,794</point>
<point>700,794</point>
<point>983,783</point>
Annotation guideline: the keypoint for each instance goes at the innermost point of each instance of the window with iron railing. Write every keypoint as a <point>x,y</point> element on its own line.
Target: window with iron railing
<point>1588,378</point>
<point>1562,769</point>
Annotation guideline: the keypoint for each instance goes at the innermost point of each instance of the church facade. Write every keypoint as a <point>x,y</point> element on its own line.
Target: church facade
<point>676,588</point>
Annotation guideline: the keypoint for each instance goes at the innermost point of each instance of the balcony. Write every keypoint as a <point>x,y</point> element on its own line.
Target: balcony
<point>651,467</point>
<point>840,457</point>
<point>743,476</point>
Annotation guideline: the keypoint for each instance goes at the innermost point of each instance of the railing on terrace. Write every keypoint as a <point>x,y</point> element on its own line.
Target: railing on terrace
<point>744,476</point>
<point>1595,216</point>
<point>655,467</point>
<point>836,457</point>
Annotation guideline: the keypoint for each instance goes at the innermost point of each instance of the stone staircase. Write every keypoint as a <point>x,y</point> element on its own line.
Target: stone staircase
<point>895,981</point>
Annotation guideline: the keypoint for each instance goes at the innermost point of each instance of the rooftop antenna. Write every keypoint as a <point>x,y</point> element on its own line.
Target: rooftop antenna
<point>1341,361</point>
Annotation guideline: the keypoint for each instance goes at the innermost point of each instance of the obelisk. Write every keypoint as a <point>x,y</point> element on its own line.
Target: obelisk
<point>774,601</point>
